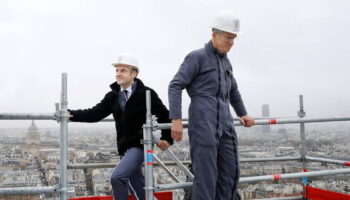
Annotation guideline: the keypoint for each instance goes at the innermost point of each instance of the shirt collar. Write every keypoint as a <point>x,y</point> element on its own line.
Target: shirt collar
<point>130,89</point>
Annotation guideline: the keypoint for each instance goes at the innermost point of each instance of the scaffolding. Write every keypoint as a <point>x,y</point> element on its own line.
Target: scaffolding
<point>61,115</point>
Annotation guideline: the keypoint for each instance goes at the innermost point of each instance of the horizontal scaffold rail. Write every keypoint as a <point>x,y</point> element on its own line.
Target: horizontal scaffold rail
<point>284,198</point>
<point>187,162</point>
<point>326,160</point>
<point>28,116</point>
<point>274,121</point>
<point>29,190</point>
<point>275,177</point>
<point>270,159</point>
<point>185,119</point>
<point>112,165</point>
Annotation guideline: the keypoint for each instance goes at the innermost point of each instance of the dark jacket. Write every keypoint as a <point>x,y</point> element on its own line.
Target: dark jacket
<point>128,123</point>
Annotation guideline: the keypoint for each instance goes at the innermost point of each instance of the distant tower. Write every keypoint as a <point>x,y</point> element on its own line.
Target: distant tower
<point>33,135</point>
<point>266,113</point>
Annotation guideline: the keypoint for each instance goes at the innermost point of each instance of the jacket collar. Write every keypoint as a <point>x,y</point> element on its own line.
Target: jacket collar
<point>210,48</point>
<point>116,88</point>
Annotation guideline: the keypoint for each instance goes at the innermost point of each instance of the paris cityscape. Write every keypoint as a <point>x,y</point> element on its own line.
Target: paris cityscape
<point>30,157</point>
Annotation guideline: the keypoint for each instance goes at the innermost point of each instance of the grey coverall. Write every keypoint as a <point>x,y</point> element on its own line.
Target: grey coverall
<point>208,79</point>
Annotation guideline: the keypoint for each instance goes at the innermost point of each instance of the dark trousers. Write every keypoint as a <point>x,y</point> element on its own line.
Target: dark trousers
<point>216,168</point>
<point>128,174</point>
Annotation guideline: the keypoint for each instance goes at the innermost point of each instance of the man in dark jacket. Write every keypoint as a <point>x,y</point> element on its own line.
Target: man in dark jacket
<point>127,103</point>
<point>209,80</point>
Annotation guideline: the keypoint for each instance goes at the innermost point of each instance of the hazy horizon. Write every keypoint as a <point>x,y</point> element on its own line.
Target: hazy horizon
<point>287,48</point>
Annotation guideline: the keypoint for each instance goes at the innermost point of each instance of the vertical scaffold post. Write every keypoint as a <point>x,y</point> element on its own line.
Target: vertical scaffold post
<point>301,114</point>
<point>148,150</point>
<point>64,139</point>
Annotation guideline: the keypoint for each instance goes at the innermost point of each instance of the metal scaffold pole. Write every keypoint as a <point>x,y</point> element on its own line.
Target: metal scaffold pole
<point>64,139</point>
<point>148,150</point>
<point>173,156</point>
<point>301,114</point>
<point>27,116</point>
<point>273,121</point>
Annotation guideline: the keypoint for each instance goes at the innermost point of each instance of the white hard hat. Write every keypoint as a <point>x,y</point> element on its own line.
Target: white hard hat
<point>127,59</point>
<point>227,21</point>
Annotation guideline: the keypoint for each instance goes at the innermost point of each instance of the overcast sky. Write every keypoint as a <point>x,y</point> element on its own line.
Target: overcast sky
<point>288,48</point>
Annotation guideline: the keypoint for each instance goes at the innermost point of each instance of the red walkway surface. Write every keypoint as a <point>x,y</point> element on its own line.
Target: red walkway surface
<point>310,194</point>
<point>320,194</point>
<point>159,195</point>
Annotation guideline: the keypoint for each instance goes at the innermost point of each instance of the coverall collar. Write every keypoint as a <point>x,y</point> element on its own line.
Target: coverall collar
<point>209,47</point>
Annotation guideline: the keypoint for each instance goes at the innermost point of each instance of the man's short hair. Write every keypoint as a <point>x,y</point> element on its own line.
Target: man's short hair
<point>135,69</point>
<point>214,30</point>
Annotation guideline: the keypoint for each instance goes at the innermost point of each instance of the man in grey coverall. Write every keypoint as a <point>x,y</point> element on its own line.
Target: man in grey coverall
<point>209,80</point>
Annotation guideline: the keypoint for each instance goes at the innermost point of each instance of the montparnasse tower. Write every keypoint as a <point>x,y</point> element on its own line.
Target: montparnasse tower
<point>32,136</point>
